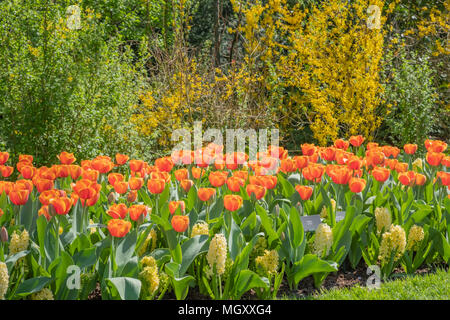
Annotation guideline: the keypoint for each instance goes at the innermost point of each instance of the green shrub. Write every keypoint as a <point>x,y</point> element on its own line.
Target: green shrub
<point>63,89</point>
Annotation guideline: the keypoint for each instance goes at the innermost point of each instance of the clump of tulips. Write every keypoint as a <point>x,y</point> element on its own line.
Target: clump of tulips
<point>225,223</point>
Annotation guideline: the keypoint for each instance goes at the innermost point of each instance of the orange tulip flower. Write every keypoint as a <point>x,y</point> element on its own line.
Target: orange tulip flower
<point>186,184</point>
<point>204,194</point>
<point>46,196</point>
<point>446,161</point>
<point>118,211</point>
<point>4,156</point>
<point>102,165</point>
<point>218,178</point>
<point>258,191</point>
<point>90,174</point>
<point>328,154</point>
<point>407,178</point>
<point>119,228</point>
<point>434,158</point>
<point>137,210</point>
<point>180,223</point>
<point>174,205</point>
<point>135,183</point>
<point>357,185</point>
<point>19,196</point>
<point>132,196</point>
<point>269,182</point>
<point>43,211</point>
<point>380,174</point>
<point>308,149</point>
<point>121,187</point>
<point>66,158</point>
<point>339,175</point>
<point>356,141</point>
<point>156,186</point>
<point>341,144</point>
<point>374,157</point>
<point>241,174</point>
<point>160,175</point>
<point>313,172</point>
<point>62,205</point>
<point>121,159</point>
<point>24,185</point>
<point>26,158</point>
<point>288,165</point>
<point>6,187</point>
<point>75,171</point>
<point>420,179</point>
<point>181,174</point>
<point>136,165</point>
<point>401,167</point>
<point>410,148</point>
<point>444,177</point>
<point>115,177</point>
<point>43,185</point>
<point>232,202</point>
<point>235,183</point>
<point>6,171</point>
<point>86,189</point>
<point>304,191</point>
<point>354,163</point>
<point>436,146</point>
<point>164,164</point>
<point>301,162</point>
<point>197,172</point>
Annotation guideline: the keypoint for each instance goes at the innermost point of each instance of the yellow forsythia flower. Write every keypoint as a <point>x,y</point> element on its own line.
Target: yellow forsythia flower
<point>268,262</point>
<point>383,219</point>
<point>4,280</point>
<point>393,240</point>
<point>19,242</point>
<point>200,228</point>
<point>415,236</point>
<point>44,294</point>
<point>217,253</point>
<point>323,240</point>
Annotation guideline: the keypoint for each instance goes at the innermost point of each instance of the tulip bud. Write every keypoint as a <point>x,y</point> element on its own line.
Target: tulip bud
<point>112,197</point>
<point>132,196</point>
<point>277,210</point>
<point>4,235</point>
<point>51,210</point>
<point>283,236</point>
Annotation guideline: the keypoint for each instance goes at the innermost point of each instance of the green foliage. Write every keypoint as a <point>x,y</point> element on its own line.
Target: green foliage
<point>63,89</point>
<point>412,98</point>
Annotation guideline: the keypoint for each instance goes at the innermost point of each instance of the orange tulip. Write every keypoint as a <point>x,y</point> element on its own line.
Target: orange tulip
<point>444,176</point>
<point>410,148</point>
<point>19,196</point>
<point>356,141</point>
<point>118,211</point>
<point>186,184</point>
<point>401,167</point>
<point>45,173</point>
<point>304,191</point>
<point>66,158</point>
<point>121,159</point>
<point>181,174</point>
<point>164,164</point>
<point>43,211</point>
<point>137,210</point>
<point>446,161</point>
<point>6,171</point>
<point>313,172</point>
<point>136,165</point>
<point>339,175</point>
<point>132,196</point>
<point>75,171</point>
<point>241,174</point>
<point>357,185</point>
<point>354,163</point>
<point>258,191</point>
<point>28,171</point>
<point>197,172</point>
<point>26,158</point>
<point>90,174</point>
<point>436,146</point>
<point>115,177</point>
<point>407,178</point>
<point>328,154</point>
<point>288,165</point>
<point>341,144</point>
<point>62,205</point>
<point>160,175</point>
<point>24,185</point>
<point>4,156</point>
<point>180,223</point>
<point>301,162</point>
<point>156,186</point>
<point>204,194</point>
<point>308,149</point>
<point>381,174</point>
<point>390,151</point>
<point>218,178</point>
<point>374,157</point>
<point>420,179</point>
<point>43,185</point>
<point>269,182</point>
<point>46,196</point>
<point>61,170</point>
<point>174,205</point>
<point>135,183</point>
<point>434,158</point>
<point>235,183</point>
<point>102,165</point>
<point>86,189</point>
<point>6,187</point>
<point>391,163</point>
<point>232,202</point>
<point>121,187</point>
<point>119,228</point>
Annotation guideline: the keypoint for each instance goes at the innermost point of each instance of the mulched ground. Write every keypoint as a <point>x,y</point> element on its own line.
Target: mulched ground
<point>337,280</point>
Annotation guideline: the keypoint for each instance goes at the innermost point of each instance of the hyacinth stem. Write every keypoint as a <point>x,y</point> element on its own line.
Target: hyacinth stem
<point>113,254</point>
<point>220,286</point>
<point>2,255</point>
<point>57,235</point>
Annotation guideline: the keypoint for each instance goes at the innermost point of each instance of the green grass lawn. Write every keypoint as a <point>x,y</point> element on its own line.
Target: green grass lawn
<point>435,286</point>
